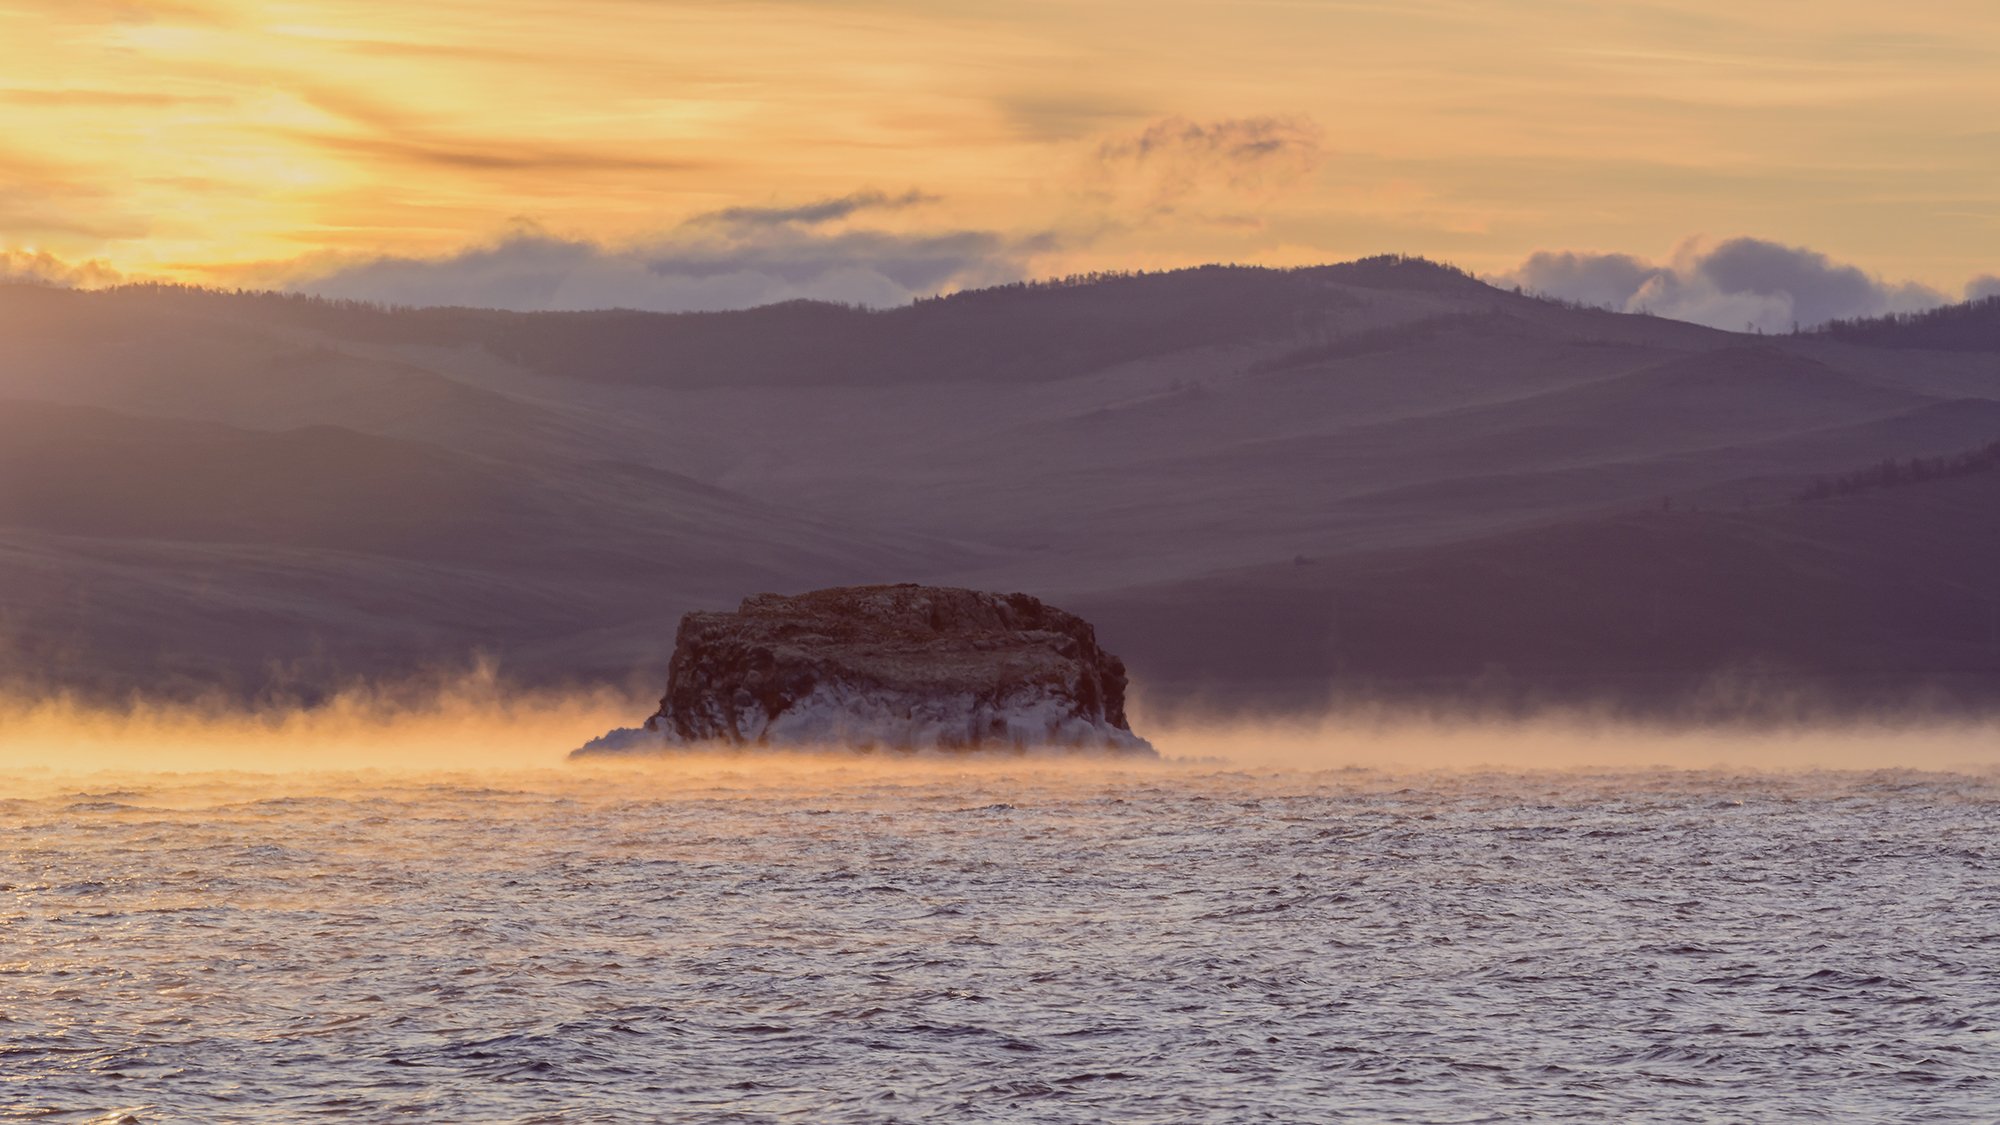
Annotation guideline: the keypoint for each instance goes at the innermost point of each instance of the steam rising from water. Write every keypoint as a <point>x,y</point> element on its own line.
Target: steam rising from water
<point>468,721</point>
<point>477,722</point>
<point>1391,742</point>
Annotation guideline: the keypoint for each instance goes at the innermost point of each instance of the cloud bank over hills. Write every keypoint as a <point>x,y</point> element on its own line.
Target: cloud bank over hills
<point>1734,284</point>
<point>872,248</point>
<point>736,258</point>
<point>743,257</point>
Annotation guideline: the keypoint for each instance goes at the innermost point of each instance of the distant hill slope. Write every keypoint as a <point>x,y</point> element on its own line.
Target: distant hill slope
<point>1038,331</point>
<point>88,472</point>
<point>1883,597</point>
<point>154,554</point>
<point>1973,326</point>
<point>211,488</point>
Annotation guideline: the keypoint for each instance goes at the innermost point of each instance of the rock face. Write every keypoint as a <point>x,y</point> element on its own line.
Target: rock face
<point>892,667</point>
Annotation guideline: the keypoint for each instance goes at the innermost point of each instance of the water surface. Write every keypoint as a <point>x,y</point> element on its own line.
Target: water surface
<point>771,941</point>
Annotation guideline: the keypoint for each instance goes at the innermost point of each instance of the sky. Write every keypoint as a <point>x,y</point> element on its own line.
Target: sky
<point>1695,157</point>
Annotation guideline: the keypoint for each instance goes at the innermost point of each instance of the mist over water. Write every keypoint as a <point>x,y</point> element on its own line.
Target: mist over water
<point>476,720</point>
<point>391,908</point>
<point>473,720</point>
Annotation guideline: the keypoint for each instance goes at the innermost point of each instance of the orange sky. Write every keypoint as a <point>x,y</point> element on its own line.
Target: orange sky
<point>225,141</point>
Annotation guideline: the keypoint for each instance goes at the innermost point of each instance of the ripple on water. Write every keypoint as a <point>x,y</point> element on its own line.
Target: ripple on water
<point>1162,944</point>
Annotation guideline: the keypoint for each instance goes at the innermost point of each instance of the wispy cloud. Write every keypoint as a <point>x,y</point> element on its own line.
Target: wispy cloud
<point>42,199</point>
<point>61,97</point>
<point>497,155</point>
<point>120,11</point>
<point>387,133</point>
<point>1176,161</point>
<point>822,211</point>
<point>1737,283</point>
<point>1064,114</point>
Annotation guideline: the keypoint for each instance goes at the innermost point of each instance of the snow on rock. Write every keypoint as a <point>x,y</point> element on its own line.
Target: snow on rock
<point>887,667</point>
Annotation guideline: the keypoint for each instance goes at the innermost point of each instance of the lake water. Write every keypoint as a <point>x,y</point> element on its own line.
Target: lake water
<point>824,941</point>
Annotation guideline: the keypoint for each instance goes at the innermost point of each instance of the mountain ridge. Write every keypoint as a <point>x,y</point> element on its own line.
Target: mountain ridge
<point>396,489</point>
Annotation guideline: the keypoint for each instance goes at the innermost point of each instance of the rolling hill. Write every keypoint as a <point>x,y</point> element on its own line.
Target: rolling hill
<point>1884,599</point>
<point>205,489</point>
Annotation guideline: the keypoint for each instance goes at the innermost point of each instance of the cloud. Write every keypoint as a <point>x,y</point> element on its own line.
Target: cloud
<point>1045,114</point>
<point>49,201</point>
<point>1817,288</point>
<point>482,155</point>
<point>1981,287</point>
<point>391,134</point>
<point>1743,282</point>
<point>125,11</point>
<point>722,260</point>
<point>1594,279</point>
<point>40,267</point>
<point>1175,160</point>
<point>114,99</point>
<point>822,211</point>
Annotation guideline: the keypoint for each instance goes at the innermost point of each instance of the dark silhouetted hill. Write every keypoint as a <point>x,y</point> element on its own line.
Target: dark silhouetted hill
<point>1973,326</point>
<point>1916,470</point>
<point>1028,331</point>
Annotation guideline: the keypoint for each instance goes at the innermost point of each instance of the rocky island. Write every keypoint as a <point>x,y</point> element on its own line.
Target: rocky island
<point>887,667</point>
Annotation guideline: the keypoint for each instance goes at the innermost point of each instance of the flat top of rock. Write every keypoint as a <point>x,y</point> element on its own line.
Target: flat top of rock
<point>905,633</point>
<point>909,608</point>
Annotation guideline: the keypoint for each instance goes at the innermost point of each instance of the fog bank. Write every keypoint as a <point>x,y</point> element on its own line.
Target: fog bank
<point>476,723</point>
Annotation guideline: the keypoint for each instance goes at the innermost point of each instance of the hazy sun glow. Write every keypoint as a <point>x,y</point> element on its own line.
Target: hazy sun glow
<point>226,141</point>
